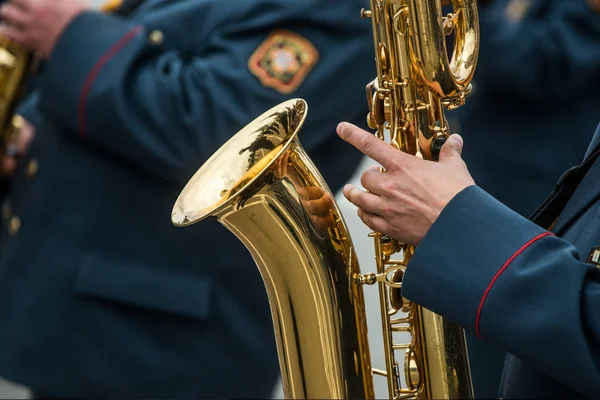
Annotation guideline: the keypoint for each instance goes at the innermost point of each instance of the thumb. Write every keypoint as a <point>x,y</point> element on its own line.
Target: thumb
<point>452,148</point>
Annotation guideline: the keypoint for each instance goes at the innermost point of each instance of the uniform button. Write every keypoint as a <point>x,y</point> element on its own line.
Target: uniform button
<point>14,226</point>
<point>32,168</point>
<point>156,37</point>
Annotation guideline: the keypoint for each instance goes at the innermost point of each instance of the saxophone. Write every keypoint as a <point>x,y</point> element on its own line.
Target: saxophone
<point>262,186</point>
<point>17,65</point>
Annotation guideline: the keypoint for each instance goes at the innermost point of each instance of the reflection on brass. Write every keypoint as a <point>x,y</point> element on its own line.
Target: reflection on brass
<point>262,187</point>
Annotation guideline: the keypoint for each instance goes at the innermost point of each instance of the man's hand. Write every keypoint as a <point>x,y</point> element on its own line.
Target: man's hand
<point>406,200</point>
<point>23,139</point>
<point>37,24</point>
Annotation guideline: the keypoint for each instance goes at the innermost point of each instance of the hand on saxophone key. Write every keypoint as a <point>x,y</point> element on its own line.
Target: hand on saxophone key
<point>37,24</point>
<point>17,148</point>
<point>407,199</point>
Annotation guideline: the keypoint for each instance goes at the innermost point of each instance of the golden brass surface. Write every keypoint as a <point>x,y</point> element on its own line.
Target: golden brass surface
<point>416,81</point>
<point>263,188</point>
<point>15,66</point>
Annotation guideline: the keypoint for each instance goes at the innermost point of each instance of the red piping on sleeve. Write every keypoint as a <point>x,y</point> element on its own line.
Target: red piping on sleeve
<point>89,81</point>
<point>506,264</point>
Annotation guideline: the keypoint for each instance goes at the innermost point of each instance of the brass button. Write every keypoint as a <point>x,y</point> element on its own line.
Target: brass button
<point>6,211</point>
<point>32,168</point>
<point>156,37</point>
<point>14,226</point>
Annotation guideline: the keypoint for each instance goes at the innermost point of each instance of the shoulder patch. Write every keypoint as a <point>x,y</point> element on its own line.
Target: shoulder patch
<point>283,61</point>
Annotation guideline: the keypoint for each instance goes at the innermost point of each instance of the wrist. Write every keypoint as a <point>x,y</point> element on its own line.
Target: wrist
<point>67,20</point>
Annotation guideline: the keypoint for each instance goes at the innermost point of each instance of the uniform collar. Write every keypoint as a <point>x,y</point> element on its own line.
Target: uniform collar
<point>585,195</point>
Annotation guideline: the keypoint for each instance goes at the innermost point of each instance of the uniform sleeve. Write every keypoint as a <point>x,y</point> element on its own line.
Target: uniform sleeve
<point>547,55</point>
<point>166,103</point>
<point>504,278</point>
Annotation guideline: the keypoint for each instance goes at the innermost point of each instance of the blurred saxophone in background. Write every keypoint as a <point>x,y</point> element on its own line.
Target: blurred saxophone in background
<point>17,65</point>
<point>262,186</point>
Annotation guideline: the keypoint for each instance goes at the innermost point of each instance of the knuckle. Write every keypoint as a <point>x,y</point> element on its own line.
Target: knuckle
<point>388,209</point>
<point>366,142</point>
<point>365,179</point>
<point>401,164</point>
<point>389,186</point>
<point>359,200</point>
<point>366,218</point>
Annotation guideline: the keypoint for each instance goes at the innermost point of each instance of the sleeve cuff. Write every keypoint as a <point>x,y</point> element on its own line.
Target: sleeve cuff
<point>459,258</point>
<point>88,44</point>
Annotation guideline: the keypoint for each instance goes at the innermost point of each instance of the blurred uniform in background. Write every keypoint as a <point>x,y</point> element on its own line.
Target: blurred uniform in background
<point>530,117</point>
<point>100,296</point>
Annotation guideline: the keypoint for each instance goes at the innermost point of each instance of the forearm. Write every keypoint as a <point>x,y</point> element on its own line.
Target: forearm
<point>506,279</point>
<point>127,94</point>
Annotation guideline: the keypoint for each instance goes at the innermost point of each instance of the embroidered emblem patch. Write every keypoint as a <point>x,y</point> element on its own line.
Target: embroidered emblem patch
<point>283,61</point>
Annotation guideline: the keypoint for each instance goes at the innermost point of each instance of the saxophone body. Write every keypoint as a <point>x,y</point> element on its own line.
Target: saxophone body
<point>416,81</point>
<point>262,186</point>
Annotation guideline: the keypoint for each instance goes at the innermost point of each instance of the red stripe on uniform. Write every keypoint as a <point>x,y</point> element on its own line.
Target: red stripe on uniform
<point>506,264</point>
<point>89,81</point>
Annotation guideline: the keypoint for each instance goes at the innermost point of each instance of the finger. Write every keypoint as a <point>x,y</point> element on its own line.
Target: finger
<point>26,135</point>
<point>322,221</point>
<point>370,145</point>
<point>13,33</point>
<point>9,165</point>
<point>452,148</point>
<point>320,206</point>
<point>22,4</point>
<point>373,168</point>
<point>373,180</point>
<point>368,202</point>
<point>373,221</point>
<point>13,15</point>
<point>311,192</point>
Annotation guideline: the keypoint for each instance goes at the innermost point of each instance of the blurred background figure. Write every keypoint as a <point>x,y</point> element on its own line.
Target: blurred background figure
<point>531,115</point>
<point>100,296</point>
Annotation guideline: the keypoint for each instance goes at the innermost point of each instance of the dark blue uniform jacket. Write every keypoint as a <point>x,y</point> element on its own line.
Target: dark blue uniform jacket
<point>522,287</point>
<point>100,296</point>
<point>530,117</point>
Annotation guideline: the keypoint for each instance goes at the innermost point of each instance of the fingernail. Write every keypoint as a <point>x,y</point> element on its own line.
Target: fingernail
<point>455,140</point>
<point>340,128</point>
